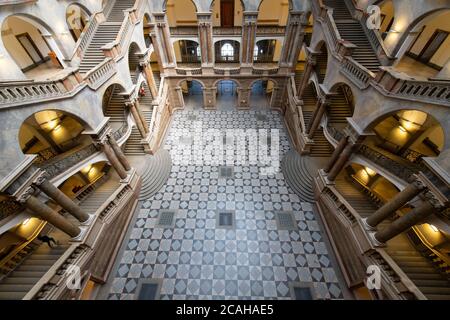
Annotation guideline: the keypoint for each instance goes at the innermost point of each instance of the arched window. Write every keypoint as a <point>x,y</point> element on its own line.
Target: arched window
<point>227,51</point>
<point>255,53</point>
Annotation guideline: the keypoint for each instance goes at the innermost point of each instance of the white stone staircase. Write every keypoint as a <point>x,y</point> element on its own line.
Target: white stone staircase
<point>155,173</point>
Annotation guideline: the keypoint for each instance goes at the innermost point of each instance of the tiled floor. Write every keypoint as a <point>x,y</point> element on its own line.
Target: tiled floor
<point>196,259</point>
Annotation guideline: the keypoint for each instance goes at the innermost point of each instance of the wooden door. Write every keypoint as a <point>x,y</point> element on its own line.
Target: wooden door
<point>227,13</point>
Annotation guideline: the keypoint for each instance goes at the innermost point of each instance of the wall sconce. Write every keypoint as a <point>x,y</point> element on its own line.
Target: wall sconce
<point>402,129</point>
<point>26,222</point>
<point>58,127</point>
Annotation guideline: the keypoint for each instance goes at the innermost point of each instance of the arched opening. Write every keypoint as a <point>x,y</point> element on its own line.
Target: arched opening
<point>227,51</point>
<point>227,13</point>
<point>187,52</point>
<point>181,13</point>
<point>261,94</point>
<point>340,108</point>
<point>50,133</point>
<point>428,51</point>
<point>133,62</point>
<point>146,28</point>
<point>227,94</point>
<point>77,17</point>
<point>192,94</point>
<point>322,62</point>
<point>267,51</point>
<point>114,108</point>
<point>366,190</point>
<point>32,47</point>
<point>273,13</point>
<point>410,134</point>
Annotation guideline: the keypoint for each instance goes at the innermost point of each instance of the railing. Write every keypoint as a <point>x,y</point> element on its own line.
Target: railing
<point>58,165</point>
<point>373,35</point>
<point>20,92</point>
<point>401,170</point>
<point>270,30</point>
<point>87,34</point>
<point>232,31</point>
<point>101,73</point>
<point>396,84</point>
<point>394,280</point>
<point>189,72</point>
<point>357,73</point>
<point>184,31</point>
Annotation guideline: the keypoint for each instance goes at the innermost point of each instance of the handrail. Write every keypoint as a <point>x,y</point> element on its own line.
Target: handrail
<point>373,35</point>
<point>12,93</point>
<point>101,73</point>
<point>87,34</point>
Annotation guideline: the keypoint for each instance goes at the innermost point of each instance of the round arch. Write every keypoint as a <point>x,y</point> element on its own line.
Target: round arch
<point>133,61</point>
<point>187,50</point>
<point>51,132</point>
<point>192,91</point>
<point>111,95</point>
<point>409,133</point>
<point>261,92</point>
<point>31,42</point>
<point>406,39</point>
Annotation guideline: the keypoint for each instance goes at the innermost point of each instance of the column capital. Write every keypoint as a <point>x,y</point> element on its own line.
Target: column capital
<point>25,195</point>
<point>41,178</point>
<point>434,200</point>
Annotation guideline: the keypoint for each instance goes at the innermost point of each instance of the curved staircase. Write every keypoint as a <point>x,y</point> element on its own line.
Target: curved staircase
<point>155,173</point>
<point>298,176</point>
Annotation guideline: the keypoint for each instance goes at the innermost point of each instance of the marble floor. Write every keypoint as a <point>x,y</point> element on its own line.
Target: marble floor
<point>261,255</point>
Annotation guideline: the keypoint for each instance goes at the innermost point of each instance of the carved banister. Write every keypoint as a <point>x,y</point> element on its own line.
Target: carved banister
<point>101,73</point>
<point>401,86</point>
<point>357,73</point>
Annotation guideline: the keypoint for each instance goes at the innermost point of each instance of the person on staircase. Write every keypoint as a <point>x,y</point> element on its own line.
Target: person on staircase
<point>48,240</point>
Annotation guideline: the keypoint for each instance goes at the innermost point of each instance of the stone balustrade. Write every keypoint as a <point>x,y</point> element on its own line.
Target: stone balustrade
<point>401,86</point>
<point>87,34</point>
<point>101,73</point>
<point>22,92</point>
<point>357,73</point>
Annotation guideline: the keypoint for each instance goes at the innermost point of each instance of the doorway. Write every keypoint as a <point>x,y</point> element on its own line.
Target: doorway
<point>30,47</point>
<point>227,95</point>
<point>227,13</point>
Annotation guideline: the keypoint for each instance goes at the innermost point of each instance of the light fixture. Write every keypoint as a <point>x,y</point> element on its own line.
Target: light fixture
<point>434,228</point>
<point>369,171</point>
<point>402,129</point>
<point>25,222</point>
<point>57,127</point>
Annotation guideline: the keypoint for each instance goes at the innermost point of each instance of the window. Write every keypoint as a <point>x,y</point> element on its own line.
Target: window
<point>255,53</point>
<point>227,52</point>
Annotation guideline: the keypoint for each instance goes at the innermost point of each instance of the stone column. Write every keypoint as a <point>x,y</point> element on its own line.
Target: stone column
<point>398,201</point>
<point>341,161</point>
<point>44,212</point>
<point>293,39</point>
<point>311,61</point>
<point>60,198</point>
<point>141,116</point>
<point>163,36</point>
<point>337,152</point>
<point>205,35</point>
<point>315,121</point>
<point>113,160</point>
<point>147,68</point>
<point>137,118</point>
<point>118,152</point>
<point>415,216</point>
<point>248,37</point>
